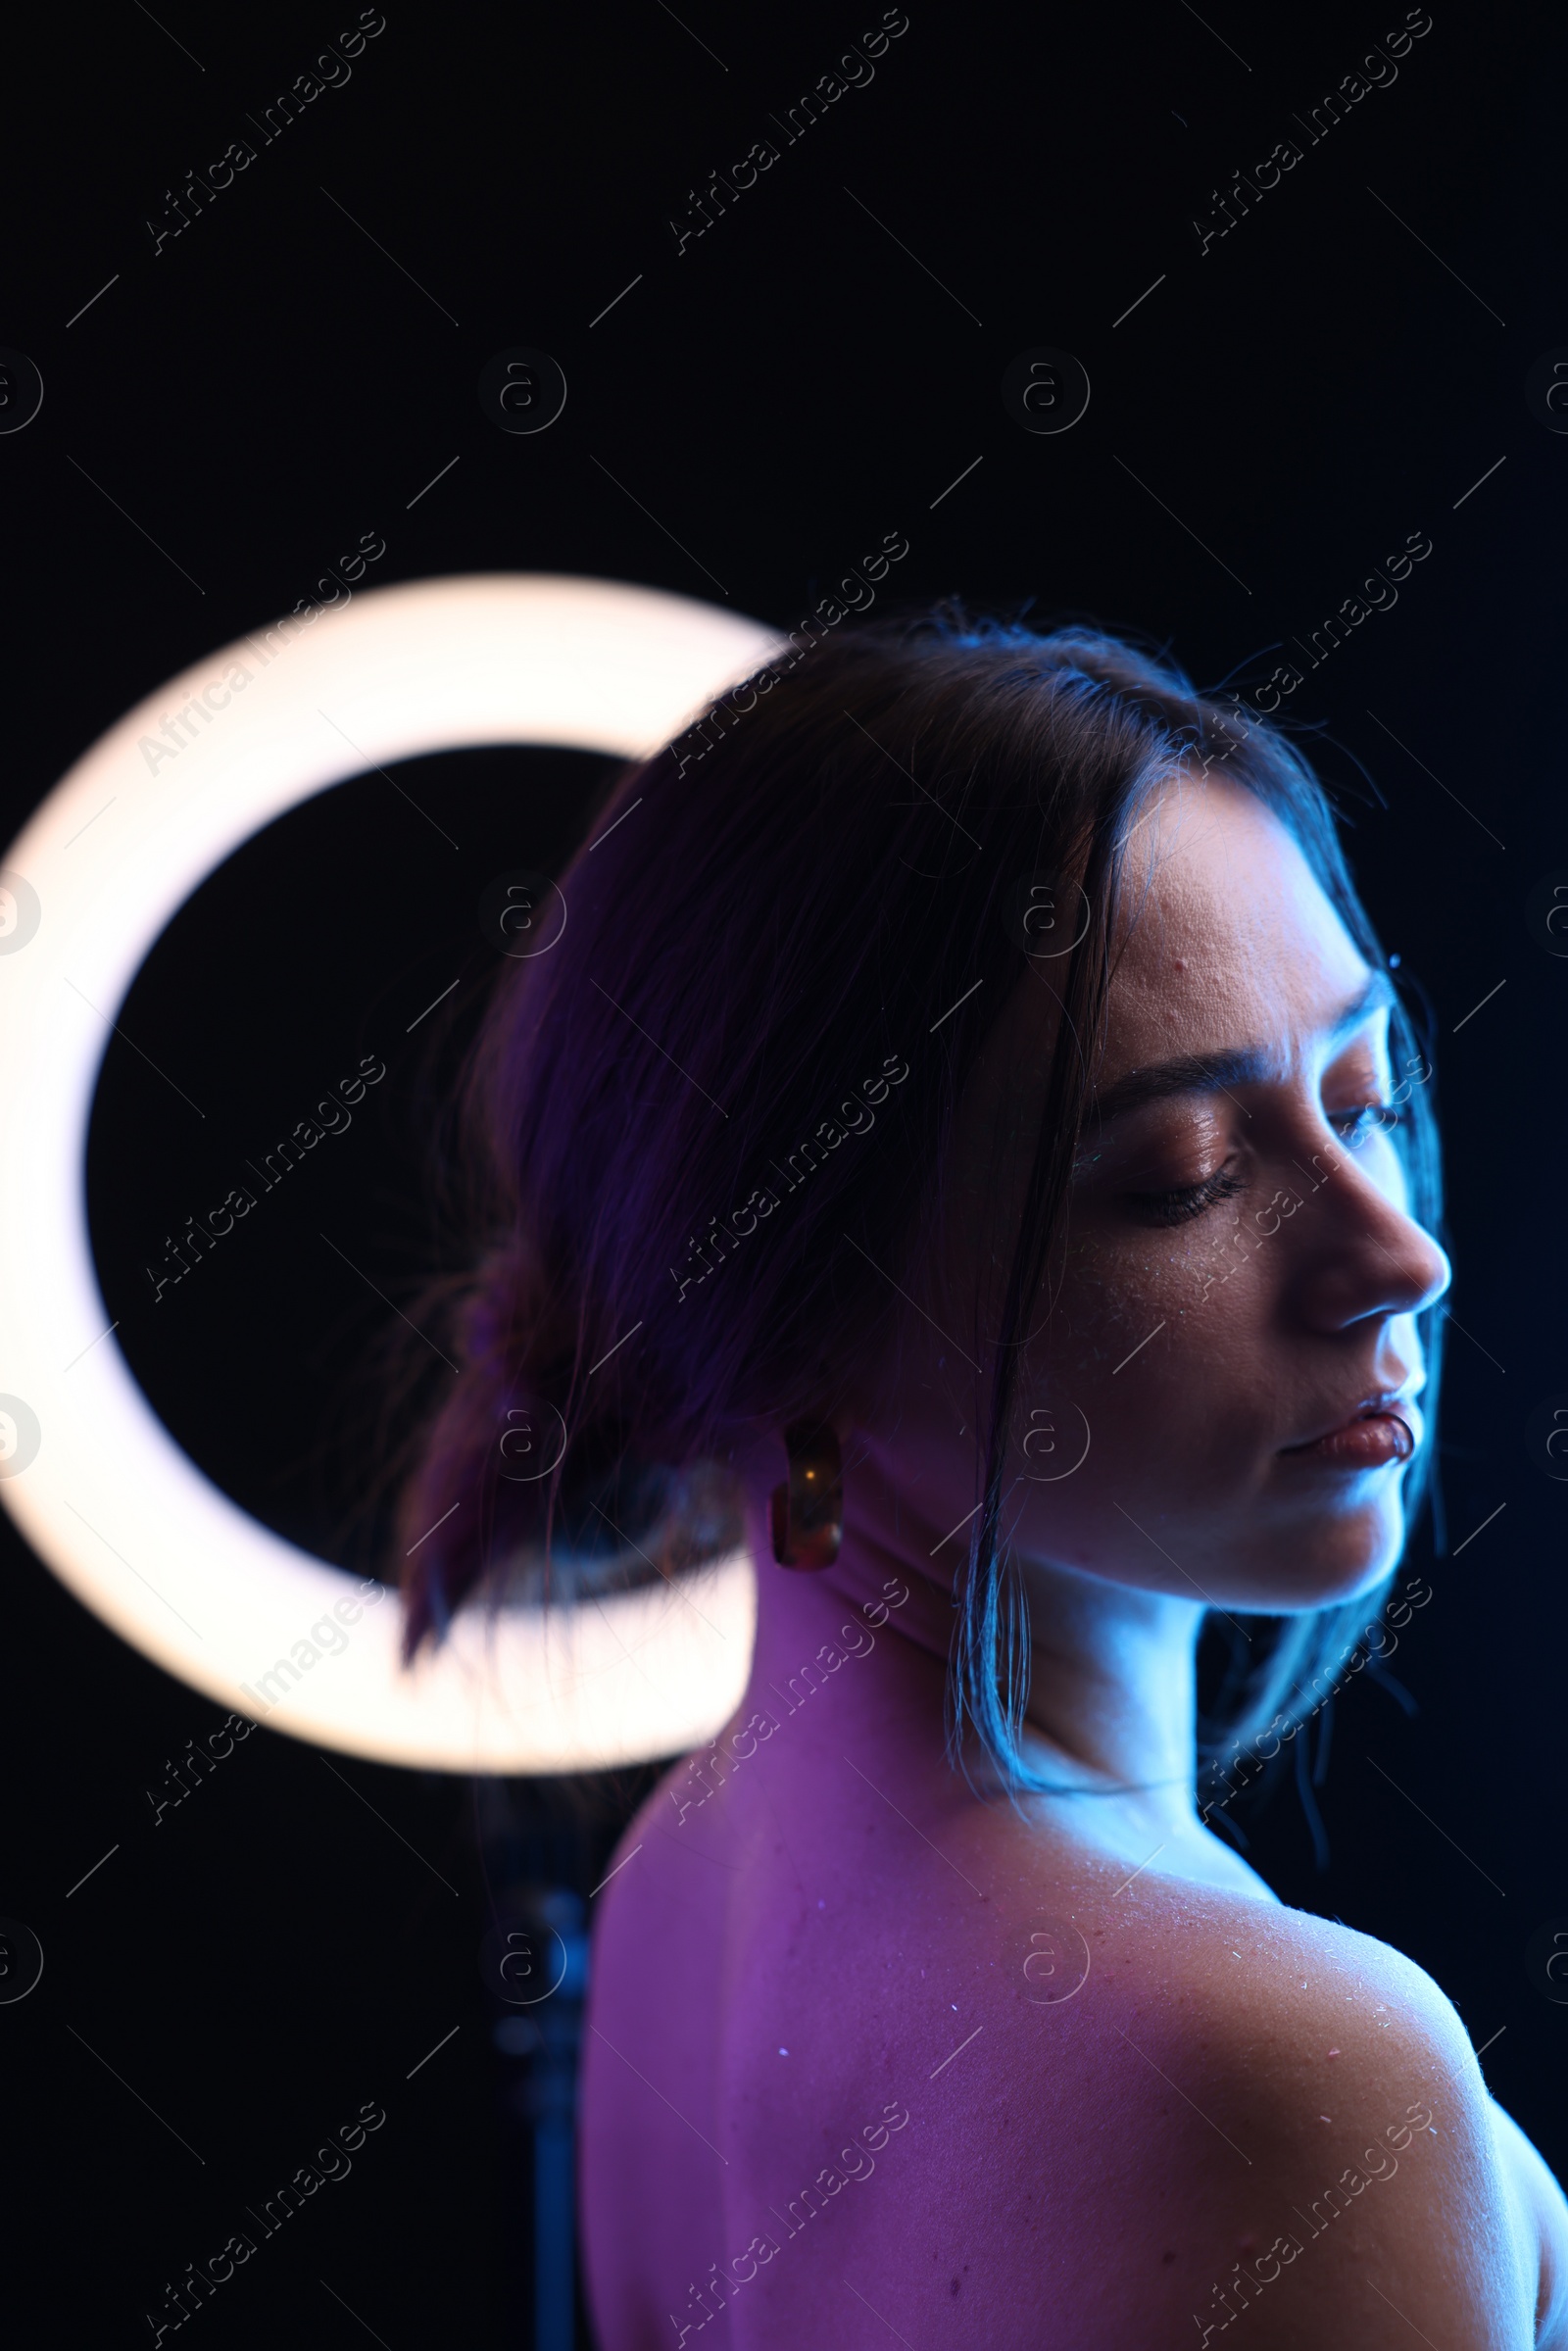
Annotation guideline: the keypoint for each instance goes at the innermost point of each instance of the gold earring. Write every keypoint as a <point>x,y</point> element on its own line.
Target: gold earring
<point>808,1509</point>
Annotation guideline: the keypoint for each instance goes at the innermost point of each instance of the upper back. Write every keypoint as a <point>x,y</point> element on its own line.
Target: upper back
<point>865,2056</point>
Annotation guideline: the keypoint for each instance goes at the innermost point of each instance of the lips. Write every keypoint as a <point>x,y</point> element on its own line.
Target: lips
<point>1377,1434</point>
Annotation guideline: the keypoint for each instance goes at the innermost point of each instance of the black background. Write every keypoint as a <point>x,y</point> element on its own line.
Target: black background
<point>820,367</point>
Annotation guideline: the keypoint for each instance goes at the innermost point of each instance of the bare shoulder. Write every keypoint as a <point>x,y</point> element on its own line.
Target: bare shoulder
<point>1269,1979</point>
<point>1330,2144</point>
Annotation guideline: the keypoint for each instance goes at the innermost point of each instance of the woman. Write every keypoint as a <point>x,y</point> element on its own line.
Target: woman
<point>971,1100</point>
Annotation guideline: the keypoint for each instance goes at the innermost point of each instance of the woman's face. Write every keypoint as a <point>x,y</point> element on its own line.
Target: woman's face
<point>1238,1276</point>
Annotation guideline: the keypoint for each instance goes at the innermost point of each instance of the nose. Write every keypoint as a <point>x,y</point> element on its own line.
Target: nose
<point>1367,1256</point>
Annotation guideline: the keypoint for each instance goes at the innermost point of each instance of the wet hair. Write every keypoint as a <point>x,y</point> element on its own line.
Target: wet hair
<point>705,1135</point>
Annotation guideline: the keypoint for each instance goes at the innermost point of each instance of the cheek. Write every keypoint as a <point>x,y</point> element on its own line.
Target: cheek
<point>1207,1282</point>
<point>1176,1350</point>
<point>1114,1292</point>
<point>1165,1344</point>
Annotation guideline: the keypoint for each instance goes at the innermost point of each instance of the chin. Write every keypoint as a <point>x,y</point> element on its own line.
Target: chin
<point>1329,1558</point>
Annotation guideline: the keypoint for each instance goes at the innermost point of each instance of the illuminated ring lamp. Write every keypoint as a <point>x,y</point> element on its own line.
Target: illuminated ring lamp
<point>90,1475</point>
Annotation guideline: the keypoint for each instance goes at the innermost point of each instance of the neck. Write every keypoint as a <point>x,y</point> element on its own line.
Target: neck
<point>1112,1706</point>
<point>1113,1678</point>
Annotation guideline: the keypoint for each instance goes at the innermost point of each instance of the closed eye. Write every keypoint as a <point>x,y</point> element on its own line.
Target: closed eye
<point>1187,1200</point>
<point>1353,1126</point>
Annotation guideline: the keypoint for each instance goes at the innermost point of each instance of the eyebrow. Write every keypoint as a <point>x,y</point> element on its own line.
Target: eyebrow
<point>1215,1073</point>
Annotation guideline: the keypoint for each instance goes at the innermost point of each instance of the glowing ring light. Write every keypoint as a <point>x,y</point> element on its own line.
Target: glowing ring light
<point>88,1472</point>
